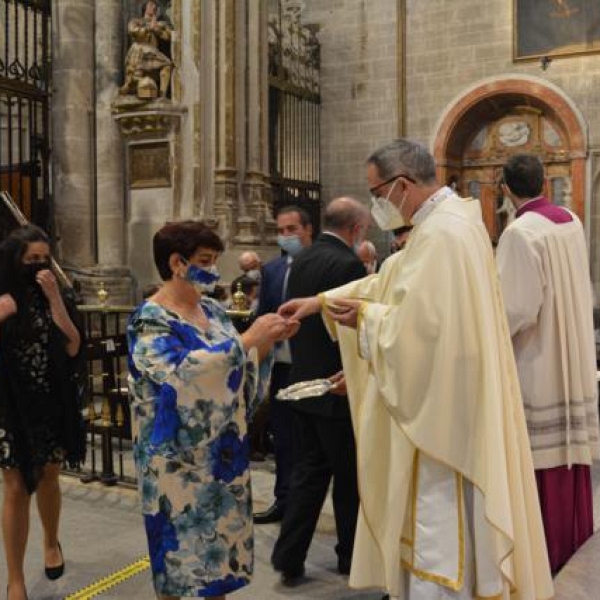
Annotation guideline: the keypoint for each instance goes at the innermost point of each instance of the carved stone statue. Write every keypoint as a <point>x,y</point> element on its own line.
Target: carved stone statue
<point>145,64</point>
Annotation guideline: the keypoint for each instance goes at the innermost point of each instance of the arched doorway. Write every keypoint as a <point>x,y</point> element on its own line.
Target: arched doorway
<point>498,118</point>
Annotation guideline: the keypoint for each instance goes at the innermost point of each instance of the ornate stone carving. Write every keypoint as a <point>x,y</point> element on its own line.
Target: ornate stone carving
<point>247,231</point>
<point>152,120</point>
<point>147,66</point>
<point>294,50</point>
<point>514,133</point>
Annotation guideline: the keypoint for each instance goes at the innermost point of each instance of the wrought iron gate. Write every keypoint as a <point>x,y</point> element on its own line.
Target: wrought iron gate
<point>25,74</point>
<point>294,111</point>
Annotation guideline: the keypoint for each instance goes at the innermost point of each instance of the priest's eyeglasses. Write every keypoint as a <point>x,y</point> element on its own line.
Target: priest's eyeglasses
<point>374,189</point>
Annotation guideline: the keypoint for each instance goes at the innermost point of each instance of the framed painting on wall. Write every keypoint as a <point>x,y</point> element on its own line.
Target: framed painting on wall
<point>544,28</point>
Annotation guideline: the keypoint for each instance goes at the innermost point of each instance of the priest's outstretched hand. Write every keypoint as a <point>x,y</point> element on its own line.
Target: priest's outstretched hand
<point>344,311</point>
<point>297,309</point>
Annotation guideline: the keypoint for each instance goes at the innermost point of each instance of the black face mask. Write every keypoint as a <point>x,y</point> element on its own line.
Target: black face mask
<point>30,271</point>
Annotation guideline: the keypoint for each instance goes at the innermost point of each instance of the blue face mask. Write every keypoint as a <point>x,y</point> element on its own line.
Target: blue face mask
<point>290,244</point>
<point>203,280</point>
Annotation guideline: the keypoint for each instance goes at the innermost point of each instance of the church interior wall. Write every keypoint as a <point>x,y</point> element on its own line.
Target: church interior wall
<point>359,89</point>
<point>452,45</point>
<point>109,154</point>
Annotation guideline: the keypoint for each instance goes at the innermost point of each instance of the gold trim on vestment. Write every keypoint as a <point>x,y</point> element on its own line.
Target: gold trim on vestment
<point>453,584</point>
<point>359,322</point>
<point>322,300</point>
<point>415,489</point>
<point>357,428</point>
<point>329,322</point>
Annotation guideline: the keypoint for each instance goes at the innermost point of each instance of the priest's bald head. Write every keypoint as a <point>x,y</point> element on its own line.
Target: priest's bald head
<point>523,178</point>
<point>403,173</point>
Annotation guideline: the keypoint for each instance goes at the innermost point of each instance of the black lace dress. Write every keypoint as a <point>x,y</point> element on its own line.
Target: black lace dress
<point>39,423</point>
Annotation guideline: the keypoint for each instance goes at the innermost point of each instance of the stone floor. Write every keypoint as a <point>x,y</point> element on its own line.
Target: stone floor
<point>102,536</point>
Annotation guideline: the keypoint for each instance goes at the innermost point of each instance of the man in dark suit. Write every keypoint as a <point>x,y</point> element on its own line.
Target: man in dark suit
<point>294,233</point>
<point>323,434</point>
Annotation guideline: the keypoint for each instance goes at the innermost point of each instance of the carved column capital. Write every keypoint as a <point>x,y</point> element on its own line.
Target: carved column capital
<point>156,119</point>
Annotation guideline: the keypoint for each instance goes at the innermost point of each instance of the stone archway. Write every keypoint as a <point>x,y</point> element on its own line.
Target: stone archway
<point>500,117</point>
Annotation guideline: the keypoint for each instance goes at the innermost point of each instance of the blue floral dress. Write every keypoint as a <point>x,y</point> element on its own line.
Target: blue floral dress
<point>190,405</point>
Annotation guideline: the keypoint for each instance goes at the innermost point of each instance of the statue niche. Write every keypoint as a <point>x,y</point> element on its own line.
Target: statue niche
<point>147,64</point>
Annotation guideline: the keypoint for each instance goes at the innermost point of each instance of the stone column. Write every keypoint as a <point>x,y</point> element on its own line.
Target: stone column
<point>225,185</point>
<point>250,225</point>
<point>109,149</point>
<point>72,124</point>
<point>230,116</point>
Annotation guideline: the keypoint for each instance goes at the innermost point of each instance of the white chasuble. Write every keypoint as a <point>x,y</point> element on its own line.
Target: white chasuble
<point>438,386</point>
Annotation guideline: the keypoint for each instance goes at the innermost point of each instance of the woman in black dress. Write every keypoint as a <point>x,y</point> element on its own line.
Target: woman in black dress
<point>39,420</point>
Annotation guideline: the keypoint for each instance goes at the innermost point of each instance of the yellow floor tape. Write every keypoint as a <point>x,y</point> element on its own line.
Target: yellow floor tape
<point>95,589</point>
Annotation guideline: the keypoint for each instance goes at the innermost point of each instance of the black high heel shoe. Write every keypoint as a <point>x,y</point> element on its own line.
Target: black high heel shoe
<point>54,573</point>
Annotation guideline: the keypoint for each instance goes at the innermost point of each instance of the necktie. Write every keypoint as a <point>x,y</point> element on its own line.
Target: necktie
<point>284,289</point>
<point>282,349</point>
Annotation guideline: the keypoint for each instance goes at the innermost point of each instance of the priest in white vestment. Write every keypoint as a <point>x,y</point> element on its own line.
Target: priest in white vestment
<point>449,504</point>
<point>543,265</point>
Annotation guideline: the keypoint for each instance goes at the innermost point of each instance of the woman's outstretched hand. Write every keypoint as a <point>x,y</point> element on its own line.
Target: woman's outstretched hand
<point>268,329</point>
<point>275,327</point>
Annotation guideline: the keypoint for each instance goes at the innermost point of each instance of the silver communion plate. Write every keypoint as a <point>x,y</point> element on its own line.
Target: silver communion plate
<point>305,389</point>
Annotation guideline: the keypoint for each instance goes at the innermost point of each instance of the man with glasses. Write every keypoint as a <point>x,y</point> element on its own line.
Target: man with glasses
<point>447,489</point>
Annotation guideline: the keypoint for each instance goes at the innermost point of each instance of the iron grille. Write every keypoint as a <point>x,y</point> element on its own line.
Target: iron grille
<point>294,112</point>
<point>25,79</point>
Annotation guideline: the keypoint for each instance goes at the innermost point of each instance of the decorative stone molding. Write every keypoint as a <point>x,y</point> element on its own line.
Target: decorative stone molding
<point>515,91</point>
<point>156,119</point>
<point>271,232</point>
<point>117,282</point>
<point>212,224</point>
<point>247,231</point>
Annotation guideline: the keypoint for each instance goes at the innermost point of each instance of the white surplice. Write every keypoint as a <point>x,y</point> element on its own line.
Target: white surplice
<point>438,419</point>
<point>547,292</point>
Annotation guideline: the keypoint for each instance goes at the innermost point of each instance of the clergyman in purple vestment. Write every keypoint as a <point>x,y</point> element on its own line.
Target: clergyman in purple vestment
<point>543,265</point>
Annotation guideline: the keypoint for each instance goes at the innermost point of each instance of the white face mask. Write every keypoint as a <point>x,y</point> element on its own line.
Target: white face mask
<point>386,215</point>
<point>254,274</point>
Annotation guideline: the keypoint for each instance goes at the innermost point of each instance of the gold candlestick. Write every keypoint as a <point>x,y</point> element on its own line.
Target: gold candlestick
<point>240,307</point>
<point>240,302</point>
<point>102,295</point>
<point>106,416</point>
